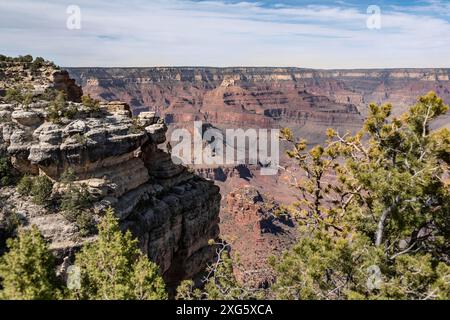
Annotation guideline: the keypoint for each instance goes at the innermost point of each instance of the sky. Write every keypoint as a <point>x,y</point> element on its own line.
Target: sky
<point>220,33</point>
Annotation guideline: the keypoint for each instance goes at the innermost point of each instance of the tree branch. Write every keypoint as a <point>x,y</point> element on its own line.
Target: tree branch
<point>382,222</point>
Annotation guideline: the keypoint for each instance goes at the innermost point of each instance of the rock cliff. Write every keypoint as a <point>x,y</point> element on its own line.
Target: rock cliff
<point>39,77</point>
<point>306,99</point>
<point>173,212</point>
<point>225,98</point>
<point>255,233</point>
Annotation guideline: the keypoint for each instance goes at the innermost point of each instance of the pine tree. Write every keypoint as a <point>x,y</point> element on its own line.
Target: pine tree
<point>27,269</point>
<point>41,190</point>
<point>147,283</point>
<point>374,213</point>
<point>6,176</point>
<point>113,268</point>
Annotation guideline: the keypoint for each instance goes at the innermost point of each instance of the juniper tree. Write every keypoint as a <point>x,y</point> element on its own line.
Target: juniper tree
<point>76,205</point>
<point>92,104</point>
<point>6,172</point>
<point>41,190</point>
<point>27,269</point>
<point>113,268</point>
<point>374,200</point>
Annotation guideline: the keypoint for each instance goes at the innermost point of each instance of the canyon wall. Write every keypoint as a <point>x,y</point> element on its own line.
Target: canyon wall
<point>263,96</point>
<point>225,98</point>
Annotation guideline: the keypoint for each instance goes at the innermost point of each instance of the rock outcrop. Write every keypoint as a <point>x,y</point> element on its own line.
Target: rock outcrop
<point>171,211</point>
<point>252,228</point>
<point>43,76</point>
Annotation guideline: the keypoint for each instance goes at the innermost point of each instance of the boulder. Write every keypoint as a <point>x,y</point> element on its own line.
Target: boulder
<point>28,118</point>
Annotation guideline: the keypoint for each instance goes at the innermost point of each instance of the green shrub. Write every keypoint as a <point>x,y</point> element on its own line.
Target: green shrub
<point>75,205</point>
<point>41,190</point>
<point>68,176</point>
<point>36,64</point>
<point>49,94</point>
<point>70,112</point>
<point>92,104</point>
<point>86,223</point>
<point>27,58</point>
<point>27,270</point>
<point>80,139</point>
<point>136,127</point>
<point>6,176</point>
<point>25,185</point>
<point>9,223</point>
<point>113,268</point>
<point>57,108</point>
<point>28,99</point>
<point>76,199</point>
<point>14,95</point>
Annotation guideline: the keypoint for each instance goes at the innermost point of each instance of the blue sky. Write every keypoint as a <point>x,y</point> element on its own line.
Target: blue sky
<point>314,34</point>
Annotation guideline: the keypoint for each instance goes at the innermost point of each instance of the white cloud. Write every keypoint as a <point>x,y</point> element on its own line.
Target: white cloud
<point>176,32</point>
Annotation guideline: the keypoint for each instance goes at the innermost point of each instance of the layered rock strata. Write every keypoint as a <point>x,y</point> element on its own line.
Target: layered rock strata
<point>255,233</point>
<point>304,99</point>
<point>171,211</point>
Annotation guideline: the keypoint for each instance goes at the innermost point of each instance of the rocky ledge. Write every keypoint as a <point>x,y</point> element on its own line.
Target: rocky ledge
<point>173,212</point>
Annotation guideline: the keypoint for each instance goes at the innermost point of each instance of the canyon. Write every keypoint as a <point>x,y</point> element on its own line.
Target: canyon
<point>304,100</point>
<point>121,152</point>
